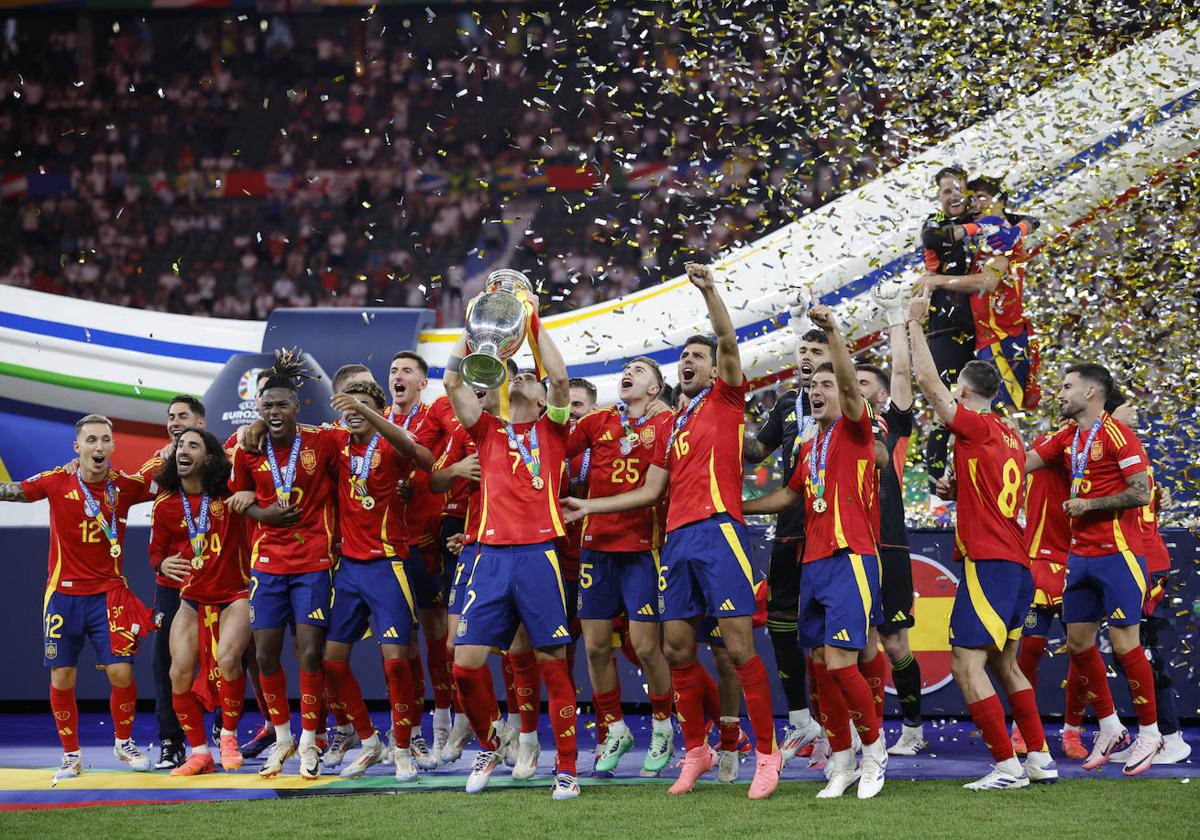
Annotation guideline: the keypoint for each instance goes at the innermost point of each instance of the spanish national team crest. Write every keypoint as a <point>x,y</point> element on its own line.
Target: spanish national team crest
<point>647,435</point>
<point>462,628</point>
<point>1097,450</point>
<point>308,460</point>
<point>934,587</point>
<point>216,508</point>
<point>51,650</point>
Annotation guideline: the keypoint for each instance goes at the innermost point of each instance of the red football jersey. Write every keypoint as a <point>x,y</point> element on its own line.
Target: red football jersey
<point>1047,529</point>
<point>570,544</point>
<point>513,511</point>
<point>1115,454</point>
<point>1000,313</point>
<point>989,463</point>
<point>705,461</point>
<point>308,545</point>
<point>1158,559</point>
<point>423,511</point>
<point>80,562</point>
<point>148,470</point>
<point>848,521</point>
<point>378,532</point>
<point>459,446</point>
<point>612,471</point>
<point>224,572</point>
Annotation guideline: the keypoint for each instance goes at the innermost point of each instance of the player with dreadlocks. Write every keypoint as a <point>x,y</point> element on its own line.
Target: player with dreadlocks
<point>291,556</point>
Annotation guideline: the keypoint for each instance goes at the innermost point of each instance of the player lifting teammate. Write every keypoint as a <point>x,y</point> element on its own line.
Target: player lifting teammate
<point>516,577</point>
<point>705,568</point>
<point>991,604</point>
<point>839,588</point>
<point>197,541</point>
<point>1106,574</point>
<point>87,599</point>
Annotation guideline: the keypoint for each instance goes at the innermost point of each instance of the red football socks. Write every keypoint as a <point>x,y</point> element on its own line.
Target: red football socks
<point>274,688</point>
<point>608,707</point>
<point>875,673</point>
<point>439,670</point>
<point>988,715</point>
<point>346,695</point>
<point>711,694</point>
<point>1029,655</point>
<point>122,702</point>
<point>478,701</point>
<point>834,713</point>
<point>233,700</point>
<point>312,695</point>
<point>66,717</point>
<point>1140,677</point>
<point>1029,721</point>
<point>1076,703</point>
<point>1093,681</point>
<point>861,704</point>
<point>730,731</point>
<point>660,706</point>
<point>191,717</point>
<point>756,688</point>
<point>529,688</point>
<point>418,676</point>
<point>691,702</point>
<point>560,694</point>
<point>400,695</point>
<point>260,699</point>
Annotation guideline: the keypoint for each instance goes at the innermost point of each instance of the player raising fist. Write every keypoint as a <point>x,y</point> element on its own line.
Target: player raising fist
<point>990,608</point>
<point>839,589</point>
<point>705,568</point>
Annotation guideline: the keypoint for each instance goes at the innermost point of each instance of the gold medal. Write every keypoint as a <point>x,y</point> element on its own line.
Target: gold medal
<point>820,505</point>
<point>115,551</point>
<point>197,563</point>
<point>367,502</point>
<point>538,483</point>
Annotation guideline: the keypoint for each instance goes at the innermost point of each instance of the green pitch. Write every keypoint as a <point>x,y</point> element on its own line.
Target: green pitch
<point>1153,808</point>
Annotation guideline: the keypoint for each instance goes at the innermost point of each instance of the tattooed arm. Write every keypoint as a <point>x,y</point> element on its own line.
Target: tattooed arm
<point>12,491</point>
<point>1136,494</point>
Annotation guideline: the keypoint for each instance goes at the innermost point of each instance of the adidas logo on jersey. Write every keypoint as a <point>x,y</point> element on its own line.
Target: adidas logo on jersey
<point>841,636</point>
<point>727,604</point>
<point>317,615</point>
<point>73,496</point>
<point>606,436</point>
<point>1118,613</point>
<point>561,633</point>
<point>391,633</point>
<point>901,615</point>
<point>646,610</point>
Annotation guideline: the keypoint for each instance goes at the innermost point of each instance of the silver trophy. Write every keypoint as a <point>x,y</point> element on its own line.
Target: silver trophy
<point>495,329</point>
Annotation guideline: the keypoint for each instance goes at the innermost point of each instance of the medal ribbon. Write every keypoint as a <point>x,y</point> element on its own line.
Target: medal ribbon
<point>681,419</point>
<point>802,422</point>
<point>412,412</point>
<point>1079,459</point>
<point>816,472</point>
<point>358,478</point>
<point>92,508</point>
<point>283,484</point>
<point>584,468</point>
<point>197,527</point>
<point>532,454</point>
<point>623,411</point>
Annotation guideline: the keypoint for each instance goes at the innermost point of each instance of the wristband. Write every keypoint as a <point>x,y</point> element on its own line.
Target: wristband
<point>453,364</point>
<point>970,229</point>
<point>558,413</point>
